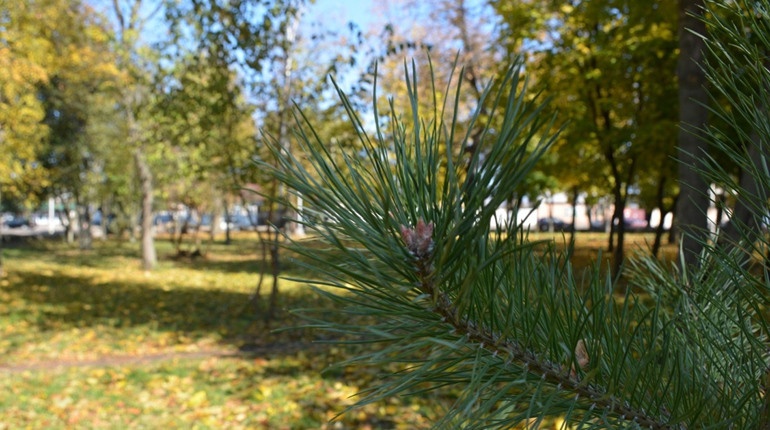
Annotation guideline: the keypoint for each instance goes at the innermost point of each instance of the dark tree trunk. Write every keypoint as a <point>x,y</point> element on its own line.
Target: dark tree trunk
<point>656,243</point>
<point>269,245</point>
<point>672,232</point>
<point>575,194</point>
<point>745,222</point>
<point>613,230</point>
<point>621,199</point>
<point>619,252</point>
<point>693,200</point>
<point>659,230</point>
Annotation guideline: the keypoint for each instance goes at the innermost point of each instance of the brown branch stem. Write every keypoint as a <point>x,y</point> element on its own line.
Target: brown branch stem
<point>511,351</point>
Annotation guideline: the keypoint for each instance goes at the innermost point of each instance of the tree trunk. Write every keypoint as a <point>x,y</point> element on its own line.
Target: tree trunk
<point>672,232</point>
<point>177,237</point>
<point>575,194</point>
<point>745,222</point>
<point>656,243</point>
<point>693,202</point>
<point>133,227</point>
<point>67,221</point>
<point>659,230</point>
<point>216,214</point>
<point>460,11</point>
<point>228,221</point>
<point>719,201</point>
<point>621,199</point>
<point>620,231</point>
<point>149,257</point>
<point>613,230</point>
<point>84,224</point>
<point>275,256</point>
<point>106,211</point>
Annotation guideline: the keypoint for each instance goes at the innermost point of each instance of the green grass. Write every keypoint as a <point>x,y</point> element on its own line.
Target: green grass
<point>89,340</point>
<point>208,393</point>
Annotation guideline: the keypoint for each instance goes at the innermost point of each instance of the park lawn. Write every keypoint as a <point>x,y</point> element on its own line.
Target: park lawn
<point>89,340</point>
<point>285,391</point>
<point>61,303</point>
<point>592,246</point>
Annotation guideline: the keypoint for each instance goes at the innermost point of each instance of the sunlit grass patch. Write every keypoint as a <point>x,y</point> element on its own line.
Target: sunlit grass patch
<point>52,305</point>
<point>281,392</point>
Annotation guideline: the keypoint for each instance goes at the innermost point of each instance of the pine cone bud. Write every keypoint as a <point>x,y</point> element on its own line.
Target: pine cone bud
<point>418,240</point>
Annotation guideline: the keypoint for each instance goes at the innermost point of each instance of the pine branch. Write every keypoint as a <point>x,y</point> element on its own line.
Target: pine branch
<point>506,325</point>
<point>419,242</point>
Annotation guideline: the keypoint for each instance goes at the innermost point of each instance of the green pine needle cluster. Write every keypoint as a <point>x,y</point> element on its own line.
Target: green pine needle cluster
<point>499,319</point>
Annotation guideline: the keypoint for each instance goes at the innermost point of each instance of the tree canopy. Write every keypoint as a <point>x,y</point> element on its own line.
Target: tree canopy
<point>198,83</point>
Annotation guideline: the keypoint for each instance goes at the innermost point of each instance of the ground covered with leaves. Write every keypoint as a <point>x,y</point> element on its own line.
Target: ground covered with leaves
<point>89,340</point>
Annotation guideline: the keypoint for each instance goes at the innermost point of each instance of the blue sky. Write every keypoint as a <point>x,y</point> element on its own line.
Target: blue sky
<point>340,12</point>
<point>329,12</point>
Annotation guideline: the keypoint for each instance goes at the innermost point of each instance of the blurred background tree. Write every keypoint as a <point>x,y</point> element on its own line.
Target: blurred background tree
<point>189,89</point>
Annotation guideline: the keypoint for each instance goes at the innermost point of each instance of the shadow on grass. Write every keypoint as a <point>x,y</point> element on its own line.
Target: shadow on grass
<point>45,295</point>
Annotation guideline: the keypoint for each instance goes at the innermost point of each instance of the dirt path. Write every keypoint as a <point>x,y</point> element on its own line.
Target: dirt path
<point>138,360</point>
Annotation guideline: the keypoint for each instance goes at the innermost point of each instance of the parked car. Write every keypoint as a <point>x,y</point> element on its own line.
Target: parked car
<point>544,224</point>
<point>18,222</point>
<point>98,218</point>
<point>635,224</point>
<point>245,222</point>
<point>600,226</point>
<point>163,218</point>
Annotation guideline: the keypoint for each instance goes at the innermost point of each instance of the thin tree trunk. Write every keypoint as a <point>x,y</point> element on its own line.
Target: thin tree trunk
<point>178,236</point>
<point>68,222</point>
<point>613,229</point>
<point>693,202</point>
<point>84,224</point>
<point>575,193</point>
<point>621,199</point>
<point>660,229</point>
<point>269,245</point>
<point>275,256</point>
<point>658,236</point>
<point>228,221</point>
<point>719,201</point>
<point>589,216</point>
<point>619,252</point>
<point>672,231</point>
<point>744,224</point>
<point>149,256</point>
<point>286,145</point>
<point>106,210</point>
<point>472,77</point>
<point>215,217</point>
